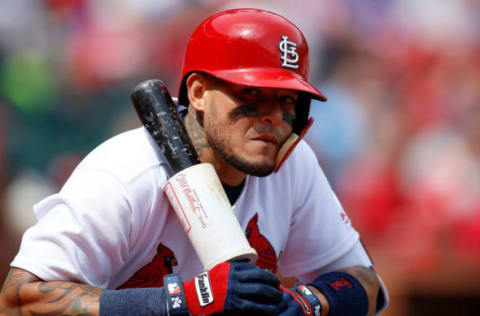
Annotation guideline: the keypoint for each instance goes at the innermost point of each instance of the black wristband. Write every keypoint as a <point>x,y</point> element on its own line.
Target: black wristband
<point>176,302</point>
<point>311,298</point>
<point>138,302</point>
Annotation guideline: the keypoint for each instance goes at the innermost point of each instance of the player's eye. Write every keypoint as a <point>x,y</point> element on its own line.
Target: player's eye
<point>250,92</point>
<point>288,99</point>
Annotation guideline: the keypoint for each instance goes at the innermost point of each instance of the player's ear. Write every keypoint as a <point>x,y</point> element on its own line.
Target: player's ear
<point>197,87</point>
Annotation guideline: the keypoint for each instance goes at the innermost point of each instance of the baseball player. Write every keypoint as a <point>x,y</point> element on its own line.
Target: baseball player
<point>109,244</point>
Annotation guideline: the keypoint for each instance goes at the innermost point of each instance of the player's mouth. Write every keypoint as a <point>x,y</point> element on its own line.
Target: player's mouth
<point>267,139</point>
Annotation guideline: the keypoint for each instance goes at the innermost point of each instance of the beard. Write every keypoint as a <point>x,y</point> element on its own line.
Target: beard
<point>218,143</point>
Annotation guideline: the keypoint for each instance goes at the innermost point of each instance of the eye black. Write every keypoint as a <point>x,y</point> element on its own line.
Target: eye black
<point>289,118</point>
<point>243,111</point>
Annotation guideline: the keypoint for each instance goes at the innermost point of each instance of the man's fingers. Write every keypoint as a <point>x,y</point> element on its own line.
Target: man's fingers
<point>251,273</point>
<point>259,293</point>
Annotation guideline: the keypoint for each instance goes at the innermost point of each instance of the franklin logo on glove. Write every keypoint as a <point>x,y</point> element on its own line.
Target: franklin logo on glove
<point>204,291</point>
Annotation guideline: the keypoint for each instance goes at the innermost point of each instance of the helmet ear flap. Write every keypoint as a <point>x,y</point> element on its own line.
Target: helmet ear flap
<point>302,111</point>
<point>300,128</point>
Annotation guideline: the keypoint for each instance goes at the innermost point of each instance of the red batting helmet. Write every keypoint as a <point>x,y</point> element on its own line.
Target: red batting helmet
<point>250,47</point>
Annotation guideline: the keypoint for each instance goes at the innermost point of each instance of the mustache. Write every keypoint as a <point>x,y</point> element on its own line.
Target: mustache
<point>259,130</point>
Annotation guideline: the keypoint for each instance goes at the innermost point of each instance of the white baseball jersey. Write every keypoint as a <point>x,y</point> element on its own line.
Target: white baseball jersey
<point>111,224</point>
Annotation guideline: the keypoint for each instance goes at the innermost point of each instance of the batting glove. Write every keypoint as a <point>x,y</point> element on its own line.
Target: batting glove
<point>299,301</point>
<point>231,287</point>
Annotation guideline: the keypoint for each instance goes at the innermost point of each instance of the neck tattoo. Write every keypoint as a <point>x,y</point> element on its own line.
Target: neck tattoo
<point>195,131</point>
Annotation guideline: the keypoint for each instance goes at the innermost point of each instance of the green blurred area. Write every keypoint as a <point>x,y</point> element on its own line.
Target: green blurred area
<point>44,118</point>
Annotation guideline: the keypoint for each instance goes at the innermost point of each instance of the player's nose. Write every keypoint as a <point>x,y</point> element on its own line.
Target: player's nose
<point>271,114</point>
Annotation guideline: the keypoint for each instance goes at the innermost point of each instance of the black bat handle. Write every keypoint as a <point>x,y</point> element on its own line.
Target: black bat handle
<point>159,115</point>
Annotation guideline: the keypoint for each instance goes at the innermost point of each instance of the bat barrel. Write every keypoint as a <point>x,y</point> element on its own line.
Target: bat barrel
<point>158,113</point>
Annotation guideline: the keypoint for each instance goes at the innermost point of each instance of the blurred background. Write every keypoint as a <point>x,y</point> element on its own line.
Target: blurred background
<point>399,138</point>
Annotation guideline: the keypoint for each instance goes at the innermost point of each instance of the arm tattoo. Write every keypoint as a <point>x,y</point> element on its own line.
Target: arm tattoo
<point>193,124</point>
<point>7,280</point>
<point>364,275</point>
<point>28,295</point>
<point>370,283</point>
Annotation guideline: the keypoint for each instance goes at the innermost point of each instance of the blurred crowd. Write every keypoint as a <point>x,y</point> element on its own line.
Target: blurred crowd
<point>399,137</point>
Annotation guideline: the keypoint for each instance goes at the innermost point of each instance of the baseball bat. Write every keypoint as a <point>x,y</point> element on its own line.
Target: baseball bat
<point>192,188</point>
<point>159,115</point>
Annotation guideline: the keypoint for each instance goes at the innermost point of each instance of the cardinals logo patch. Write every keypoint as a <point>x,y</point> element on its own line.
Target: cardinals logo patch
<point>267,258</point>
<point>151,275</point>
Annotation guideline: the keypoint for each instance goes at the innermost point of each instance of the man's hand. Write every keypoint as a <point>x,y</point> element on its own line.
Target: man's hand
<point>230,287</point>
<point>299,301</point>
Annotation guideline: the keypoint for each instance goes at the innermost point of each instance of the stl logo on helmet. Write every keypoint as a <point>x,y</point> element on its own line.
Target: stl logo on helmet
<point>290,55</point>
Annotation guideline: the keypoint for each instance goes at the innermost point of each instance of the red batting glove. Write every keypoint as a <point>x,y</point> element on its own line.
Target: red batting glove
<point>231,287</point>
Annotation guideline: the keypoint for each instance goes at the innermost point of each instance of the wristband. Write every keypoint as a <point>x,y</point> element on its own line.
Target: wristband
<point>175,295</point>
<point>311,298</point>
<point>141,302</point>
<point>344,293</point>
